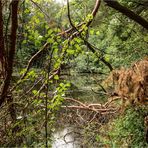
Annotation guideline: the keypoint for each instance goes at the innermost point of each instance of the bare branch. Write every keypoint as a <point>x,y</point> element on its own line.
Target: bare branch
<point>37,5</point>
<point>130,14</point>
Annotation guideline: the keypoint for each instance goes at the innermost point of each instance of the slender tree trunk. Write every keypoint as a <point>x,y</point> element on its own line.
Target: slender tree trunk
<point>2,46</point>
<point>11,53</point>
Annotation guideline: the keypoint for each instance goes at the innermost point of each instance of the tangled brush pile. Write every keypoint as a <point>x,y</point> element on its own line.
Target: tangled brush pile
<point>132,84</point>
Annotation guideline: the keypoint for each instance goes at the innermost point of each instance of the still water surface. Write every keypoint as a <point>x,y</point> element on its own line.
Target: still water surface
<point>85,88</point>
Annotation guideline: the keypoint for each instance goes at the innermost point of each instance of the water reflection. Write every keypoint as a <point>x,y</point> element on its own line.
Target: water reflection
<point>65,138</point>
<point>86,87</point>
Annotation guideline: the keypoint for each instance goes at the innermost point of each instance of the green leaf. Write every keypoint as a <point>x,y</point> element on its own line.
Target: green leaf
<point>70,51</point>
<point>50,40</point>
<point>37,21</point>
<point>61,84</point>
<point>77,47</point>
<point>24,42</point>
<point>56,77</point>
<point>78,40</point>
<point>92,32</point>
<point>50,32</point>
<point>34,92</point>
<point>98,32</point>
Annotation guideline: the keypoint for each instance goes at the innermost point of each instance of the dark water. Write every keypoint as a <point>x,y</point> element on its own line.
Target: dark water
<point>86,87</point>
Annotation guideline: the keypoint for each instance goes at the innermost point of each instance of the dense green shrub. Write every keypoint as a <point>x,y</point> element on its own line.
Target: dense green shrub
<point>128,130</point>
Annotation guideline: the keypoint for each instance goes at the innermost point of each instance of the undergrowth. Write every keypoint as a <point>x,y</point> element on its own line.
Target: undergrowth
<point>128,130</point>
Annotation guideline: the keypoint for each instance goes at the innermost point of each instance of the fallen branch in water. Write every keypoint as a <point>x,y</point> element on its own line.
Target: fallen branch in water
<point>90,109</point>
<point>82,113</point>
<point>97,108</point>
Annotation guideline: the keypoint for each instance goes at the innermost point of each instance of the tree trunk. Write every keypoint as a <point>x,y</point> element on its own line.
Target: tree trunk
<point>2,46</point>
<point>11,54</point>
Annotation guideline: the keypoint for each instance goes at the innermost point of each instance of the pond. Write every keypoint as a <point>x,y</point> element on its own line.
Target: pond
<point>84,87</point>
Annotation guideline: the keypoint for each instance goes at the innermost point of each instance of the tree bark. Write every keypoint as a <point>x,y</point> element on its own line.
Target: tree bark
<point>11,54</point>
<point>2,46</point>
